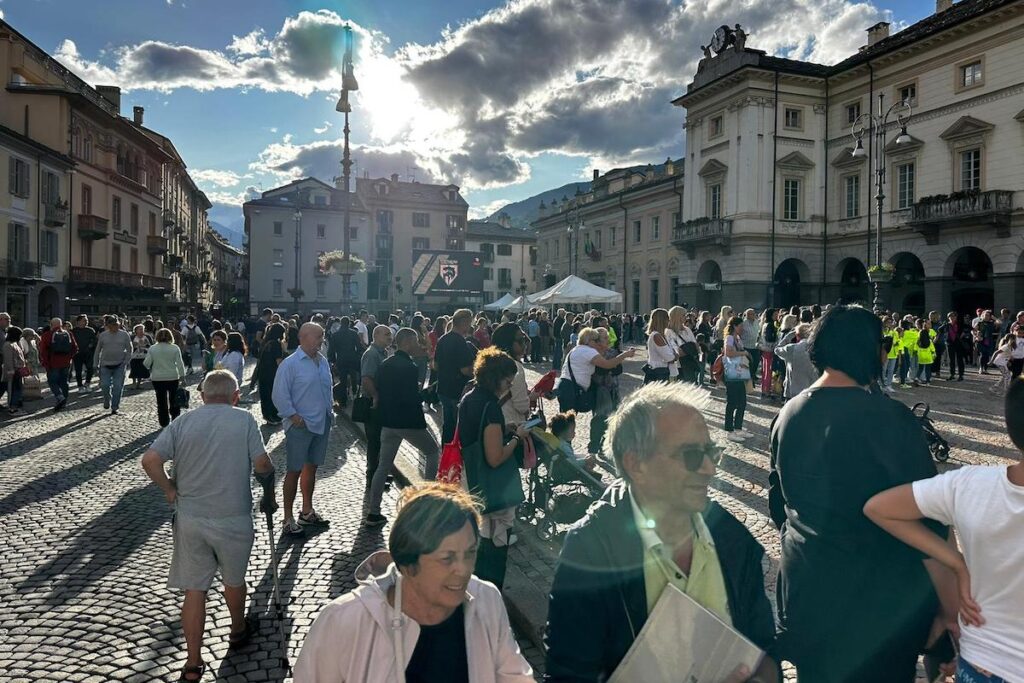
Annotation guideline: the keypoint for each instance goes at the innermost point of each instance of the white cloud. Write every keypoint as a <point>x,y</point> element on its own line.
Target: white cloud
<point>216,178</point>
<point>233,198</point>
<point>485,210</point>
<point>253,43</point>
<point>320,130</point>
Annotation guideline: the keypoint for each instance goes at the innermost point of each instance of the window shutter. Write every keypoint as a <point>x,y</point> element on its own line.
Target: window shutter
<point>25,187</point>
<point>25,256</point>
<point>12,242</point>
<point>12,176</point>
<point>45,189</point>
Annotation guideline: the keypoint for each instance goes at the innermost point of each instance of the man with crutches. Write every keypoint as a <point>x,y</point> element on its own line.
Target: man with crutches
<point>215,449</point>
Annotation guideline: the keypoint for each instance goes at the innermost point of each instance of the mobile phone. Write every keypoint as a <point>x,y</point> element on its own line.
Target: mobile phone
<point>530,424</point>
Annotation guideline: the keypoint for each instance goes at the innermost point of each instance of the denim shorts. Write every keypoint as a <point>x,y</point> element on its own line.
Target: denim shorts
<point>303,447</point>
<point>966,673</point>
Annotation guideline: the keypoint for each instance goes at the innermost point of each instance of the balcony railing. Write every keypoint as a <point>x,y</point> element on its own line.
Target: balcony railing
<point>504,284</point>
<point>971,208</point>
<point>174,262</point>
<point>168,218</point>
<point>100,276</point>
<point>702,231</point>
<point>92,227</point>
<point>55,214</point>
<point>156,244</point>
<point>13,268</point>
<point>487,256</point>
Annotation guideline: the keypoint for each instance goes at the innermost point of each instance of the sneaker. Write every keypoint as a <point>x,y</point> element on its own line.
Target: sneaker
<point>290,528</point>
<point>114,411</point>
<point>735,436</point>
<point>15,411</point>
<point>744,433</point>
<point>374,519</point>
<point>888,390</point>
<point>312,519</point>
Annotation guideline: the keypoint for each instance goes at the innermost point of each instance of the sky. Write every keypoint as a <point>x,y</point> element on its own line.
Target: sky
<point>505,100</point>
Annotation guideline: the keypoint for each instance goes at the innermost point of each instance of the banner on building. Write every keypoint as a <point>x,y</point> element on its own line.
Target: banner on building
<point>447,272</point>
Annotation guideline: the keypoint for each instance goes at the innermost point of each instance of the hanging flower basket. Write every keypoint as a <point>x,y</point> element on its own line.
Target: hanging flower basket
<point>335,261</point>
<point>881,273</point>
<point>296,293</point>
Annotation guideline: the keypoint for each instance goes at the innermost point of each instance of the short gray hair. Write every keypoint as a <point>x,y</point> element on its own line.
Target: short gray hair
<point>632,428</point>
<point>219,385</point>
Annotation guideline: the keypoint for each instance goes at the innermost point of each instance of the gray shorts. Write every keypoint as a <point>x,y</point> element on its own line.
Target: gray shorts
<point>202,545</point>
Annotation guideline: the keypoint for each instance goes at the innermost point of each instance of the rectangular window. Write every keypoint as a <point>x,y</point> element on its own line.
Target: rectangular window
<point>353,232</point>
<point>715,201</point>
<point>278,287</point>
<point>852,113</point>
<point>115,257</point>
<point>971,74</point>
<point>17,242</point>
<point>676,292</point>
<point>488,273</point>
<point>597,239</point>
<point>613,239</point>
<point>453,221</point>
<point>654,294</point>
<point>970,169</point>
<point>115,214</point>
<point>791,200</point>
<point>278,258</point>
<point>49,248</point>
<point>637,232</point>
<point>133,214</point>
<point>321,288</point>
<point>320,200</point>
<point>321,231</point>
<point>86,253</point>
<point>908,94</point>
<point>675,219</point>
<point>385,221</point>
<point>504,250</point>
<point>152,223</point>
<point>851,194</point>
<point>51,188</point>
<point>421,243</point>
<point>636,296</point>
<point>793,118</point>
<point>133,260</point>
<point>905,186</point>
<point>278,228</point>
<point>504,278</point>
<point>717,127</point>
<point>655,228</point>
<point>152,264</point>
<point>87,200</point>
<point>18,180</point>
<point>420,220</point>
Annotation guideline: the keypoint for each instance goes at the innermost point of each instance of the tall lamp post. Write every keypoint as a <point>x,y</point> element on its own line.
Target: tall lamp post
<point>575,226</point>
<point>878,121</point>
<point>297,289</point>
<point>348,84</point>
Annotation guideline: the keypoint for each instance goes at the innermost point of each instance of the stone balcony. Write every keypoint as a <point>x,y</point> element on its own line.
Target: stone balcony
<point>931,215</point>
<point>686,237</point>
<point>156,244</point>
<point>18,269</point>
<point>114,278</point>
<point>92,227</point>
<point>55,215</point>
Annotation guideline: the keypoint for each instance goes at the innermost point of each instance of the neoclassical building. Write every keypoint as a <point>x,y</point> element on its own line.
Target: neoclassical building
<point>777,209</point>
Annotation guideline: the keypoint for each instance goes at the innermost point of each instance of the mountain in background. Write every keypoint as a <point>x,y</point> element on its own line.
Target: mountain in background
<point>234,235</point>
<point>525,211</point>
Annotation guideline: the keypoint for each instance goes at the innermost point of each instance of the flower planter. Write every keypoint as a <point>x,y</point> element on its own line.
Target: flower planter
<point>880,275</point>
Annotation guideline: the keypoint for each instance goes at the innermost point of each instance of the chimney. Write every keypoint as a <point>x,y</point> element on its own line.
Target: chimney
<point>394,177</point>
<point>670,168</point>
<point>542,210</point>
<point>942,5</point>
<point>112,94</point>
<point>504,220</point>
<point>137,113</point>
<point>879,31</point>
<point>597,174</point>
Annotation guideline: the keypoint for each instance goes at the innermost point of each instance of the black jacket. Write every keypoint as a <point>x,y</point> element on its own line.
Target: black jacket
<point>346,348</point>
<point>599,600</point>
<point>400,405</point>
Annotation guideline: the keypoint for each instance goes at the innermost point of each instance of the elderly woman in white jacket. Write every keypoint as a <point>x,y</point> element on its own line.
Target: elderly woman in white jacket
<point>419,614</point>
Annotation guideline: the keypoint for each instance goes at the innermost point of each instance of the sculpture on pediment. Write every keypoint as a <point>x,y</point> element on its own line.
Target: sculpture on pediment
<point>739,38</point>
<point>704,60</point>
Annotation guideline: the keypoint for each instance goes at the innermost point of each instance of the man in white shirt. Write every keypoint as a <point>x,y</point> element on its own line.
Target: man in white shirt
<point>361,327</point>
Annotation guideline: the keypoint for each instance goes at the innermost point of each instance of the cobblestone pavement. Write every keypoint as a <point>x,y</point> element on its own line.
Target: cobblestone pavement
<point>88,539</point>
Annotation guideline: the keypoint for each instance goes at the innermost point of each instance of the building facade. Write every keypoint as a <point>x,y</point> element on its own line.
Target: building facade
<point>778,210</point>
<point>618,235</point>
<point>229,290</point>
<point>509,256</point>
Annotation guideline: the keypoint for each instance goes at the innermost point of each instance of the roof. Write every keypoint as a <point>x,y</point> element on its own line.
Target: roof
<point>291,200</point>
<point>409,192</point>
<point>498,231</point>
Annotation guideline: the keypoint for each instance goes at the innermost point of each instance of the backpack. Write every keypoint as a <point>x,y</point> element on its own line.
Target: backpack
<point>60,342</point>
<point>924,340</point>
<point>192,337</point>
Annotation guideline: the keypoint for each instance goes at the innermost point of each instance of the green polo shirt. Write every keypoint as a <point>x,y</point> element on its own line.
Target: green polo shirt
<point>705,583</point>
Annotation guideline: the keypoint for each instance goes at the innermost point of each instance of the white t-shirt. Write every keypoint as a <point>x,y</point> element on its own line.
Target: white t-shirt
<point>988,514</point>
<point>361,330</point>
<point>582,367</point>
<point>1018,352</point>
<point>662,356</point>
<point>1004,356</point>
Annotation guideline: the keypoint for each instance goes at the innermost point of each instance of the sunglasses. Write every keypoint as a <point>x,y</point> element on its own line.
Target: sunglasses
<point>692,455</point>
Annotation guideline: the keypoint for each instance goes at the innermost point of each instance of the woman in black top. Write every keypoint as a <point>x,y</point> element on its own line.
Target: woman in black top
<point>491,472</point>
<point>854,604</point>
<point>271,355</point>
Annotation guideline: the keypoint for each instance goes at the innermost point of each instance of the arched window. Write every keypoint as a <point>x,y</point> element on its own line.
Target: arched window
<point>76,142</point>
<point>87,148</point>
<point>121,160</point>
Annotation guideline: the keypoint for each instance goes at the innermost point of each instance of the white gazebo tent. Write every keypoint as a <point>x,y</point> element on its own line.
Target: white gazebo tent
<point>500,304</point>
<point>575,290</point>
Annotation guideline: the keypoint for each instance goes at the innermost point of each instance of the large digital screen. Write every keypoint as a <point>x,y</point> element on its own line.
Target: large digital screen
<point>447,272</point>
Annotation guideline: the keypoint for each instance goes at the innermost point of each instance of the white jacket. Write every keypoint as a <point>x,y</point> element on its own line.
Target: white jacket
<point>351,639</point>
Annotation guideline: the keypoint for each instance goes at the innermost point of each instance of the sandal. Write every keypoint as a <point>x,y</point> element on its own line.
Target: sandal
<point>242,638</point>
<point>198,671</point>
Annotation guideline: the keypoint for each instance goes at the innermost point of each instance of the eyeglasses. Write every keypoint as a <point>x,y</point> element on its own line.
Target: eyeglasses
<point>692,455</point>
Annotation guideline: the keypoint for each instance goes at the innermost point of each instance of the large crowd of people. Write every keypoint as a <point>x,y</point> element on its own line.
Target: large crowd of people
<point>871,575</point>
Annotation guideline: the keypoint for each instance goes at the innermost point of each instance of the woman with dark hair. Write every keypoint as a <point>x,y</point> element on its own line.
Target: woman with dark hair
<point>15,368</point>
<point>271,355</point>
<point>232,356</point>
<point>769,337</point>
<point>510,339</point>
<point>833,447</point>
<point>735,388</point>
<point>491,472</point>
<point>419,604</point>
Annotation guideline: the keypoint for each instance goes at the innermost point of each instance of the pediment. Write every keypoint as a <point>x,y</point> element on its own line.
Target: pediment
<point>846,158</point>
<point>965,126</point>
<point>795,160</point>
<point>892,148</point>
<point>712,167</point>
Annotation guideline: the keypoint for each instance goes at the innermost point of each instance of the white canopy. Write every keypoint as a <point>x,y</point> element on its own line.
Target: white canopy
<point>500,304</point>
<point>575,290</point>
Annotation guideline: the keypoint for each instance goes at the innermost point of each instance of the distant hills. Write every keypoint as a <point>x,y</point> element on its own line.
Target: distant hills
<point>524,212</point>
<point>234,235</point>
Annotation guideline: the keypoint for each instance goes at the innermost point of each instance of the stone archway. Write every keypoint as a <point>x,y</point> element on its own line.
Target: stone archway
<point>907,285</point>
<point>854,287</point>
<point>972,284</point>
<point>788,277</point>
<point>709,287</point>
<point>49,304</point>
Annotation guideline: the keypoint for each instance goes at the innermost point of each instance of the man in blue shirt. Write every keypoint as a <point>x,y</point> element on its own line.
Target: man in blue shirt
<point>304,400</point>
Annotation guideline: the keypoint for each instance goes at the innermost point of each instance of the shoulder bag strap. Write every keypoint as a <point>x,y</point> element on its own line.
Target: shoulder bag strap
<point>397,637</point>
<point>568,362</point>
<point>483,425</point>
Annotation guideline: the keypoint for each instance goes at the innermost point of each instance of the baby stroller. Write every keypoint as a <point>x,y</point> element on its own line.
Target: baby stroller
<point>559,489</point>
<point>937,446</point>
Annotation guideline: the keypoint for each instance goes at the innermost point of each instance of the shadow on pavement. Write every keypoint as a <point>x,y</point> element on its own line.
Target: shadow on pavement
<point>21,446</point>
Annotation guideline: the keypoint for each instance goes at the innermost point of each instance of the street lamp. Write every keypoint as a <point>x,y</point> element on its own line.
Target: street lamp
<point>575,226</point>
<point>348,84</point>
<point>297,289</point>
<point>879,122</point>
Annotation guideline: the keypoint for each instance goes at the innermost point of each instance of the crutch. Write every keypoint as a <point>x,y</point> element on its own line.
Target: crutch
<point>278,607</point>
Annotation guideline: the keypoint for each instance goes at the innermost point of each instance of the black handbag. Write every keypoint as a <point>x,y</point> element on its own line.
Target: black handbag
<point>498,487</point>
<point>362,409</point>
<point>181,398</point>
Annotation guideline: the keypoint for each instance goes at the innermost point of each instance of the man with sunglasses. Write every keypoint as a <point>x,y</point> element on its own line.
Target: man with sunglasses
<point>654,527</point>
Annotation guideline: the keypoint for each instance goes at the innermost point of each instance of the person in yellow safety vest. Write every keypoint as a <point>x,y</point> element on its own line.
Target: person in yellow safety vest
<point>925,351</point>
<point>908,366</point>
<point>893,357</point>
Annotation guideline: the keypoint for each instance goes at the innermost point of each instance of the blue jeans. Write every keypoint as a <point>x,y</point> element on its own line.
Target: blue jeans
<point>58,379</point>
<point>111,385</point>
<point>965,673</point>
<point>556,355</point>
<point>889,372</point>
